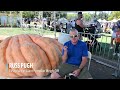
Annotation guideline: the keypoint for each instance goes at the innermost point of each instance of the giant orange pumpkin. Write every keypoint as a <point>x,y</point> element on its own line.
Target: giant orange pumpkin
<point>43,52</point>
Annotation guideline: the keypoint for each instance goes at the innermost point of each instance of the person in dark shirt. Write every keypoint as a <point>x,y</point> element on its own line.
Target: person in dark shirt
<point>81,28</point>
<point>18,23</point>
<point>79,24</point>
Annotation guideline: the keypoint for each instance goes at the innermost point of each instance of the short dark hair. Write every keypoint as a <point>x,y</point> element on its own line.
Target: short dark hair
<point>79,12</point>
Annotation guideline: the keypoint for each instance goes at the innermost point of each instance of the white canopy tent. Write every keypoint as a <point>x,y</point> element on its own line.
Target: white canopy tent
<point>114,20</point>
<point>55,23</point>
<point>63,20</point>
<point>99,20</point>
<point>104,21</point>
<point>44,19</point>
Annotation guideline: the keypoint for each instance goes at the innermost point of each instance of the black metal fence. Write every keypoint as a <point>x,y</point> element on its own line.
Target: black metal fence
<point>99,45</point>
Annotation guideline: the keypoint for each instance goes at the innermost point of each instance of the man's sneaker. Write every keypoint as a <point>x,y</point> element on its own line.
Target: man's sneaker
<point>111,47</point>
<point>114,54</point>
<point>118,54</point>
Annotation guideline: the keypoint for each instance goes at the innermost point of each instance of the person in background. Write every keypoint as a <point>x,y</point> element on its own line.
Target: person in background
<point>48,22</point>
<point>69,26</point>
<point>29,21</point>
<point>106,27</point>
<point>61,28</point>
<point>19,24</point>
<point>117,42</point>
<point>114,30</point>
<point>98,25</point>
<point>79,23</point>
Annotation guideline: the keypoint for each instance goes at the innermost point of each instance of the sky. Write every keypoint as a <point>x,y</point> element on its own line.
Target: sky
<point>89,12</point>
<point>96,11</point>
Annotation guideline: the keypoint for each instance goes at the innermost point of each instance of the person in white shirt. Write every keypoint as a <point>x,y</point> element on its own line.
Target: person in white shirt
<point>73,23</point>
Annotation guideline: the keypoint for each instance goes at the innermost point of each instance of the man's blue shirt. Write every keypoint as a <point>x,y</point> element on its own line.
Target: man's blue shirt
<point>75,52</point>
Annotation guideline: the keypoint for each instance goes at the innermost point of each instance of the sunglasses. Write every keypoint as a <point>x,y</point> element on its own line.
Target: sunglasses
<point>73,36</point>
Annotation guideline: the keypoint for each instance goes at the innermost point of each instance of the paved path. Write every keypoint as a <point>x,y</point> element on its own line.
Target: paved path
<point>99,71</point>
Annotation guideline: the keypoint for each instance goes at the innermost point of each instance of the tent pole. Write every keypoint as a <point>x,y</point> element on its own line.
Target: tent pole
<point>42,21</point>
<point>11,18</point>
<point>21,12</point>
<point>55,23</point>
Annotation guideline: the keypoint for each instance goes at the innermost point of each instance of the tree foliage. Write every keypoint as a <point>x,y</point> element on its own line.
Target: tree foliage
<point>32,14</point>
<point>102,15</point>
<point>28,14</point>
<point>114,14</point>
<point>71,16</point>
<point>60,14</point>
<point>87,16</point>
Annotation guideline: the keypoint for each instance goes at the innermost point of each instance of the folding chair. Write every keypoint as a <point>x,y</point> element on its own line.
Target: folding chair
<point>89,57</point>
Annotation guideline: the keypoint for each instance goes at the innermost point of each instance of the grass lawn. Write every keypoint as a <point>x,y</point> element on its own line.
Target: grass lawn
<point>17,31</point>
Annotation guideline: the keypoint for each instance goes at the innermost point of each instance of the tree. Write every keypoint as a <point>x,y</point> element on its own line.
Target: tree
<point>70,16</point>
<point>114,14</point>
<point>102,15</point>
<point>46,14</point>
<point>28,14</point>
<point>87,16</point>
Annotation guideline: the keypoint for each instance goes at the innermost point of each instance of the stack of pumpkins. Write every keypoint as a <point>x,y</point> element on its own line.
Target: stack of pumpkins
<point>43,52</point>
